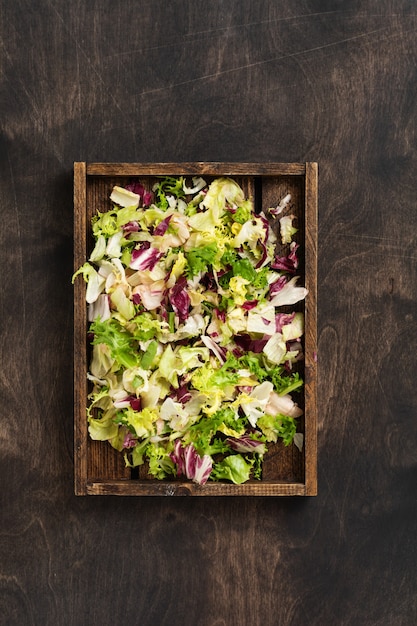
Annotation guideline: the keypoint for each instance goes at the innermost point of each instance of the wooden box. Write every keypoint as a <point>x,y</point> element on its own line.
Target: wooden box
<point>99,469</point>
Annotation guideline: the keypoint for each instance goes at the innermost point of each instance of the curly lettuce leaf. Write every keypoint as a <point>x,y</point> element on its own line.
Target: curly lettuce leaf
<point>142,423</point>
<point>119,341</point>
<point>199,259</point>
<point>243,212</point>
<point>144,327</point>
<point>160,462</point>
<point>284,384</point>
<point>245,269</point>
<point>223,190</point>
<point>278,426</point>
<point>208,379</point>
<point>95,282</point>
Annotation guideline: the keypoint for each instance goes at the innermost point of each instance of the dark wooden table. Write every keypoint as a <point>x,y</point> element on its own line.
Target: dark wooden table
<point>291,80</point>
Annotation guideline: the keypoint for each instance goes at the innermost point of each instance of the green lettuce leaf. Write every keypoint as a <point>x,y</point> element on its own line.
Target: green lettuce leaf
<point>160,463</point>
<point>244,212</point>
<point>122,303</point>
<point>112,334</point>
<point>244,268</point>
<point>135,456</point>
<point>284,384</point>
<point>169,366</point>
<point>149,355</point>
<point>142,422</point>
<point>199,259</point>
<point>145,327</point>
<point>223,190</point>
<point>234,468</point>
<point>105,224</point>
<point>278,426</point>
<point>102,429</point>
<point>168,186</point>
<point>253,362</point>
<point>208,380</point>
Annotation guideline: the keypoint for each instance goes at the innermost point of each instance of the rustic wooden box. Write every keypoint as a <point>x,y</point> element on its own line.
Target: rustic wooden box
<point>99,469</point>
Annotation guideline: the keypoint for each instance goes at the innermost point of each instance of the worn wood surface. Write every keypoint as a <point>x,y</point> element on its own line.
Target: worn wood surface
<point>238,81</point>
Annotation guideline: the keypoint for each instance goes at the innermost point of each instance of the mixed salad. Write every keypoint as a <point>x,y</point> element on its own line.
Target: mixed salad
<point>193,345</point>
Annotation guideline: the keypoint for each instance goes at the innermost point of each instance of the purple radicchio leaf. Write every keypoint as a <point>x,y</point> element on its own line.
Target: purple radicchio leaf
<point>217,350</point>
<point>162,227</point>
<point>221,315</point>
<point>246,444</point>
<point>263,243</point>
<point>147,198</point>
<point>177,457</point>
<point>135,403</point>
<point>131,227</point>
<point>250,345</point>
<point>129,441</point>
<point>144,258</point>
<point>138,188</point>
<point>287,263</point>
<point>277,285</point>
<point>284,202</point>
<point>179,298</point>
<point>190,463</point>
<point>281,319</point>
<point>249,304</point>
<point>209,282</point>
<point>197,468</point>
<point>264,255</point>
<point>182,394</point>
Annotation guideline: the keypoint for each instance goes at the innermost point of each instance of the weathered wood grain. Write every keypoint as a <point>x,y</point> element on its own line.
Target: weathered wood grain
<point>80,323</point>
<point>201,168</point>
<point>232,81</point>
<point>182,488</point>
<point>310,364</point>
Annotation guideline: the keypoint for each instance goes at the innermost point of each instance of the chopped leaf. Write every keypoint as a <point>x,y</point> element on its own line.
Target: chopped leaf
<point>233,468</point>
<point>287,229</point>
<point>124,198</point>
<point>117,339</point>
<point>149,355</point>
<point>278,427</point>
<point>199,259</point>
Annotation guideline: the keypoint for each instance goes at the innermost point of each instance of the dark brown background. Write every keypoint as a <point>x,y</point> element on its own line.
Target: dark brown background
<point>151,80</point>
